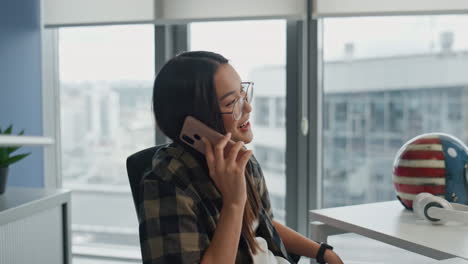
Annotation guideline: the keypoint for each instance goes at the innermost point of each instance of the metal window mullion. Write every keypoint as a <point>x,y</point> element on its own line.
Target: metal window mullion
<point>315,97</point>
<point>169,40</point>
<point>296,139</point>
<point>51,107</point>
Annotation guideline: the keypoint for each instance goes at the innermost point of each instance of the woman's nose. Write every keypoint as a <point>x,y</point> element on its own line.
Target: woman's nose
<point>247,106</point>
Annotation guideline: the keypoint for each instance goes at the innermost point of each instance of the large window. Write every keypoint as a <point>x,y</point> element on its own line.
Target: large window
<point>257,50</point>
<point>387,80</point>
<point>106,76</point>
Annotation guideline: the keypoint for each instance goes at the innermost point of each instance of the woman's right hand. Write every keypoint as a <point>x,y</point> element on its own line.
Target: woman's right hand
<point>228,172</point>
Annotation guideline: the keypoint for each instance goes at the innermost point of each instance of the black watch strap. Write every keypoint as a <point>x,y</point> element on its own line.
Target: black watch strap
<point>321,252</point>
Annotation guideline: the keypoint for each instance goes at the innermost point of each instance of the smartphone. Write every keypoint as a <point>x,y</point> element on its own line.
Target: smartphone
<point>193,130</point>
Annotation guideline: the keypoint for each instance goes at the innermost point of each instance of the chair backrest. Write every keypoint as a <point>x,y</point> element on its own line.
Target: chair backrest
<point>137,164</point>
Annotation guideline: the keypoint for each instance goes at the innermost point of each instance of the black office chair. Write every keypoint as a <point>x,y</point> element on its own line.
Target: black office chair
<point>137,164</point>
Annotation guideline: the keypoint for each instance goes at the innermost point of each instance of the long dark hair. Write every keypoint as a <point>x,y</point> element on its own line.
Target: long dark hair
<point>185,86</point>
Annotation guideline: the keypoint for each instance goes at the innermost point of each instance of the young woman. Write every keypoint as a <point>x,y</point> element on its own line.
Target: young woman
<point>211,208</point>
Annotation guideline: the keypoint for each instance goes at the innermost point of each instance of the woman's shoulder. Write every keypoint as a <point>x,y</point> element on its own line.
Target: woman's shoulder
<point>171,163</point>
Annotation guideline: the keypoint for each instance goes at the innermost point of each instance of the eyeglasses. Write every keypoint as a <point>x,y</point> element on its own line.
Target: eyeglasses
<point>238,106</point>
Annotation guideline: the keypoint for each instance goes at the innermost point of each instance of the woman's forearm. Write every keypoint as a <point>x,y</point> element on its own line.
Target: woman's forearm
<point>296,243</point>
<point>223,246</point>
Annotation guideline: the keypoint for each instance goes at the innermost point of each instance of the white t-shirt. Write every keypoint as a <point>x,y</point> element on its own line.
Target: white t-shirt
<point>265,256</point>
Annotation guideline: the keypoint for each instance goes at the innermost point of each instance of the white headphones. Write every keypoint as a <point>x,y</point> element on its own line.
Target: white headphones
<point>437,210</point>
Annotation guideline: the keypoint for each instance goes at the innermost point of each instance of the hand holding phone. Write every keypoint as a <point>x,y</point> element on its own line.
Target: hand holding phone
<point>193,130</point>
<point>225,158</point>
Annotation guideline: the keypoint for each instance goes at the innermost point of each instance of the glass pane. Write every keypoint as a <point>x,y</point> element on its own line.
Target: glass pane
<point>106,76</point>
<point>261,59</point>
<point>262,111</point>
<point>387,80</point>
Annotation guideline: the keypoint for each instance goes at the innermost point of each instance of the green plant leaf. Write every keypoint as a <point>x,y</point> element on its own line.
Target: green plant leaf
<point>13,159</point>
<point>8,130</point>
<point>5,152</point>
<point>13,149</point>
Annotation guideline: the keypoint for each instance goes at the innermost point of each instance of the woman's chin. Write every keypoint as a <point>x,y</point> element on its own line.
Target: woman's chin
<point>245,137</point>
<point>248,140</point>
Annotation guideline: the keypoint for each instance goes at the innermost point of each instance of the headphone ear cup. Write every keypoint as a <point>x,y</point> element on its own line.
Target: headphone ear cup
<point>418,205</point>
<point>435,201</point>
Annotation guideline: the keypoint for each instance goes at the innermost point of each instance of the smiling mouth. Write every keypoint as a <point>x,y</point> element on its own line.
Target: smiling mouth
<point>244,124</point>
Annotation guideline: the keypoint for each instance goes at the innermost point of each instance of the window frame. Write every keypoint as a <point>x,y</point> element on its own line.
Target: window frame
<point>51,108</point>
<point>171,39</point>
<point>304,95</point>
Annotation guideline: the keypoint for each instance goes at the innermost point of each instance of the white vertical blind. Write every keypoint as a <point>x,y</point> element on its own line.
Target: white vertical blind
<point>203,10</point>
<point>332,8</point>
<point>99,12</point>
<point>96,12</point>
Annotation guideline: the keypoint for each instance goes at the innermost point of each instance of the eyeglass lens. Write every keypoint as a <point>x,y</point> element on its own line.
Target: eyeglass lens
<point>239,106</point>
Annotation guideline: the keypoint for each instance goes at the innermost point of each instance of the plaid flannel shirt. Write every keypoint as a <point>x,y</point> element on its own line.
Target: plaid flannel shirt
<point>180,206</point>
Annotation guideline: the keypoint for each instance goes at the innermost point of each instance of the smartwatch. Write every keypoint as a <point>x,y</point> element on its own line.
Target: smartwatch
<point>323,246</point>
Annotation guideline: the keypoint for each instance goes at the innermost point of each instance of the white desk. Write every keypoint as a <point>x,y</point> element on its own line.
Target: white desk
<point>390,223</point>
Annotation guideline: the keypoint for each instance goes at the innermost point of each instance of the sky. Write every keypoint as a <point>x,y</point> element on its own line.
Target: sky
<point>126,52</point>
<point>106,53</point>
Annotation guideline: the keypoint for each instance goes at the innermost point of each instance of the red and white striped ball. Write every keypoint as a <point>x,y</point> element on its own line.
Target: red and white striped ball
<point>428,163</point>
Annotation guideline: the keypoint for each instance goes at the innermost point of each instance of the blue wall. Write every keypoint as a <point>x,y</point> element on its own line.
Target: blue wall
<point>20,83</point>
